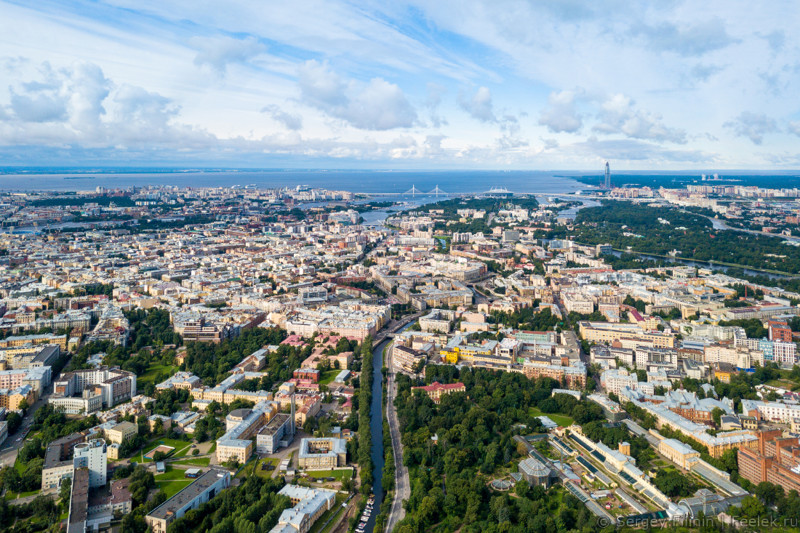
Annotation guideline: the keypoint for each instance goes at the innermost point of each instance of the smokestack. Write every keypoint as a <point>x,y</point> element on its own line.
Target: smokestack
<point>293,428</point>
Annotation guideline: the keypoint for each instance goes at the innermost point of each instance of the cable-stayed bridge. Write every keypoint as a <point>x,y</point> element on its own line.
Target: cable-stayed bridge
<point>414,192</point>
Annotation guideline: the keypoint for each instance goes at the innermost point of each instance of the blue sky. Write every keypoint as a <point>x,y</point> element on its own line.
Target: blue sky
<point>549,84</point>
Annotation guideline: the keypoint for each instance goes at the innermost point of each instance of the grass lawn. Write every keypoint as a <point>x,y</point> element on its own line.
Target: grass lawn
<point>266,473</point>
<point>19,467</point>
<point>561,420</point>
<point>156,374</point>
<point>328,376</point>
<point>194,461</point>
<point>338,474</point>
<point>14,495</point>
<point>783,384</point>
<point>172,474</point>
<point>181,448</point>
<point>171,488</point>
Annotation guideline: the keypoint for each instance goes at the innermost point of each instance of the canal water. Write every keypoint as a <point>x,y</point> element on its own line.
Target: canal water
<point>376,429</point>
<point>706,264</point>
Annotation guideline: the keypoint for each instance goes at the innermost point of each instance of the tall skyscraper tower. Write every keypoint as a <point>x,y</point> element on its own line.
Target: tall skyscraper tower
<point>607,183</point>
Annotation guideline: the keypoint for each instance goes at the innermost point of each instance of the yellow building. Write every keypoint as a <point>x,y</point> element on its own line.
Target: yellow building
<point>467,352</point>
<point>677,452</point>
<point>112,451</point>
<point>121,432</point>
<point>610,332</point>
<point>239,450</point>
<point>724,372</point>
<point>12,398</point>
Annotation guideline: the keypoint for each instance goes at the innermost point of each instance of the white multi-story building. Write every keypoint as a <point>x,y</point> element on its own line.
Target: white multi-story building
<point>783,353</point>
<point>112,384</point>
<point>92,455</point>
<point>616,379</point>
<point>771,411</point>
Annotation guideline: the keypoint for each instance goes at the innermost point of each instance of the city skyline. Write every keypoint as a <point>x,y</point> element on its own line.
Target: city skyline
<point>416,85</point>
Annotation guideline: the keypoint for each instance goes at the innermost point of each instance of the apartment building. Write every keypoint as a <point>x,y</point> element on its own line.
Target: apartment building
<point>407,359</point>
<point>203,489</point>
<point>111,384</point>
<point>777,461</point>
<point>777,411</point>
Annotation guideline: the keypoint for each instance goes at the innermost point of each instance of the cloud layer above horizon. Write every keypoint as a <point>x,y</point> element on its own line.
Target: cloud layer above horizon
<point>547,84</point>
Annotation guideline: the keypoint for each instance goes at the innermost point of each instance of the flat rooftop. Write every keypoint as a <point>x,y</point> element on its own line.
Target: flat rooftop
<point>274,425</point>
<point>187,495</point>
<point>79,501</point>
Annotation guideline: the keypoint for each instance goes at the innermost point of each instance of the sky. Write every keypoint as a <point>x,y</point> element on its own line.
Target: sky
<point>440,84</point>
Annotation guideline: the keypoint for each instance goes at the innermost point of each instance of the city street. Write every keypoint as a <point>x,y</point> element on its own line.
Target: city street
<point>10,448</point>
<point>402,487</point>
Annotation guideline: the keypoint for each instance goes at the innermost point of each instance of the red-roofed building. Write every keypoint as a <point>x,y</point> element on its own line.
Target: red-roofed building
<point>294,340</point>
<point>436,390</point>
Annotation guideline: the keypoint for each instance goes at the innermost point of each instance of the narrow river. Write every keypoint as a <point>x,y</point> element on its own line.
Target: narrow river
<point>376,429</point>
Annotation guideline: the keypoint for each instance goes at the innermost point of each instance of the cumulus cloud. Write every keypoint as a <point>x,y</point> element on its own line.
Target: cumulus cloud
<point>619,115</point>
<point>42,100</point>
<point>88,88</point>
<point>686,40</point>
<point>378,105</point>
<point>292,121</point>
<point>561,115</point>
<point>752,125</point>
<point>39,106</point>
<point>71,97</point>
<point>381,106</point>
<point>221,51</point>
<point>79,105</point>
<point>480,105</point>
<point>140,114</point>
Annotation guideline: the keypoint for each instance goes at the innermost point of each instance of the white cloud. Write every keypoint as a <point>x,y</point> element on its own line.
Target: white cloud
<point>794,127</point>
<point>619,115</point>
<point>378,105</point>
<point>752,125</point>
<point>221,51</point>
<point>320,86</point>
<point>383,67</point>
<point>88,88</point>
<point>561,115</point>
<point>479,106</point>
<point>39,106</point>
<point>90,110</point>
<point>381,106</point>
